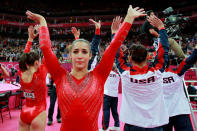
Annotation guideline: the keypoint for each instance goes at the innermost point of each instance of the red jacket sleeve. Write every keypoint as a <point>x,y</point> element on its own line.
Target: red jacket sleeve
<point>121,61</point>
<point>106,63</point>
<point>161,59</point>
<point>28,47</point>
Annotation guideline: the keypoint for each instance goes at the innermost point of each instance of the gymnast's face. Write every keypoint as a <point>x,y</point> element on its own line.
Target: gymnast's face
<point>80,55</point>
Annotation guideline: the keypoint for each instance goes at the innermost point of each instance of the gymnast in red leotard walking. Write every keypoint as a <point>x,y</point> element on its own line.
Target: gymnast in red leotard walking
<point>80,92</point>
<point>32,79</point>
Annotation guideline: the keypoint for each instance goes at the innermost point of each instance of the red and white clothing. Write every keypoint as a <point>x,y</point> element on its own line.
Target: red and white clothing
<point>95,49</point>
<point>35,92</point>
<point>80,100</point>
<point>112,84</point>
<point>142,89</point>
<point>174,93</point>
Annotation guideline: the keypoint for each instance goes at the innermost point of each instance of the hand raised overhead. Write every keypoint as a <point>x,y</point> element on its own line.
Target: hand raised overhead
<point>37,18</point>
<point>75,32</point>
<point>135,12</point>
<point>116,24</point>
<point>31,33</point>
<point>155,21</point>
<point>97,24</point>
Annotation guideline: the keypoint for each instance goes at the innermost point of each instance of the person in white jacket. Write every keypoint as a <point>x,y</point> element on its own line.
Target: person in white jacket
<point>111,100</point>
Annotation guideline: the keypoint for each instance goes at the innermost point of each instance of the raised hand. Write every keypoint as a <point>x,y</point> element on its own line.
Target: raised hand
<point>97,24</point>
<point>135,12</point>
<point>155,21</point>
<point>116,24</point>
<point>75,32</point>
<point>37,28</point>
<point>37,18</point>
<point>31,33</point>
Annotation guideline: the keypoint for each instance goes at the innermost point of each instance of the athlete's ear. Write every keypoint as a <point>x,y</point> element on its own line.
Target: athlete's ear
<point>36,63</point>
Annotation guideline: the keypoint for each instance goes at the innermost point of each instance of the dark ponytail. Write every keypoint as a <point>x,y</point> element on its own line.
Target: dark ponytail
<point>28,59</point>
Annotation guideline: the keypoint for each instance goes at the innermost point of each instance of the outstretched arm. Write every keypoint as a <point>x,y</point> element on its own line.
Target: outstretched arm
<point>75,32</point>
<point>31,37</point>
<point>95,44</point>
<point>121,58</point>
<point>51,60</point>
<point>121,61</point>
<point>96,39</point>
<point>106,64</point>
<point>161,58</point>
<point>187,63</point>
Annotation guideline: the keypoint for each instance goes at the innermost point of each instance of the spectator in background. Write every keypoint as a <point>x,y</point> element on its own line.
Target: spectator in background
<point>53,97</point>
<point>4,73</point>
<point>111,101</point>
<point>153,34</point>
<point>17,79</point>
<point>192,91</point>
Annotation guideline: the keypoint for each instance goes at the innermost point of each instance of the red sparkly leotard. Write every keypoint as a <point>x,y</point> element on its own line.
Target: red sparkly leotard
<point>80,100</point>
<point>34,92</point>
